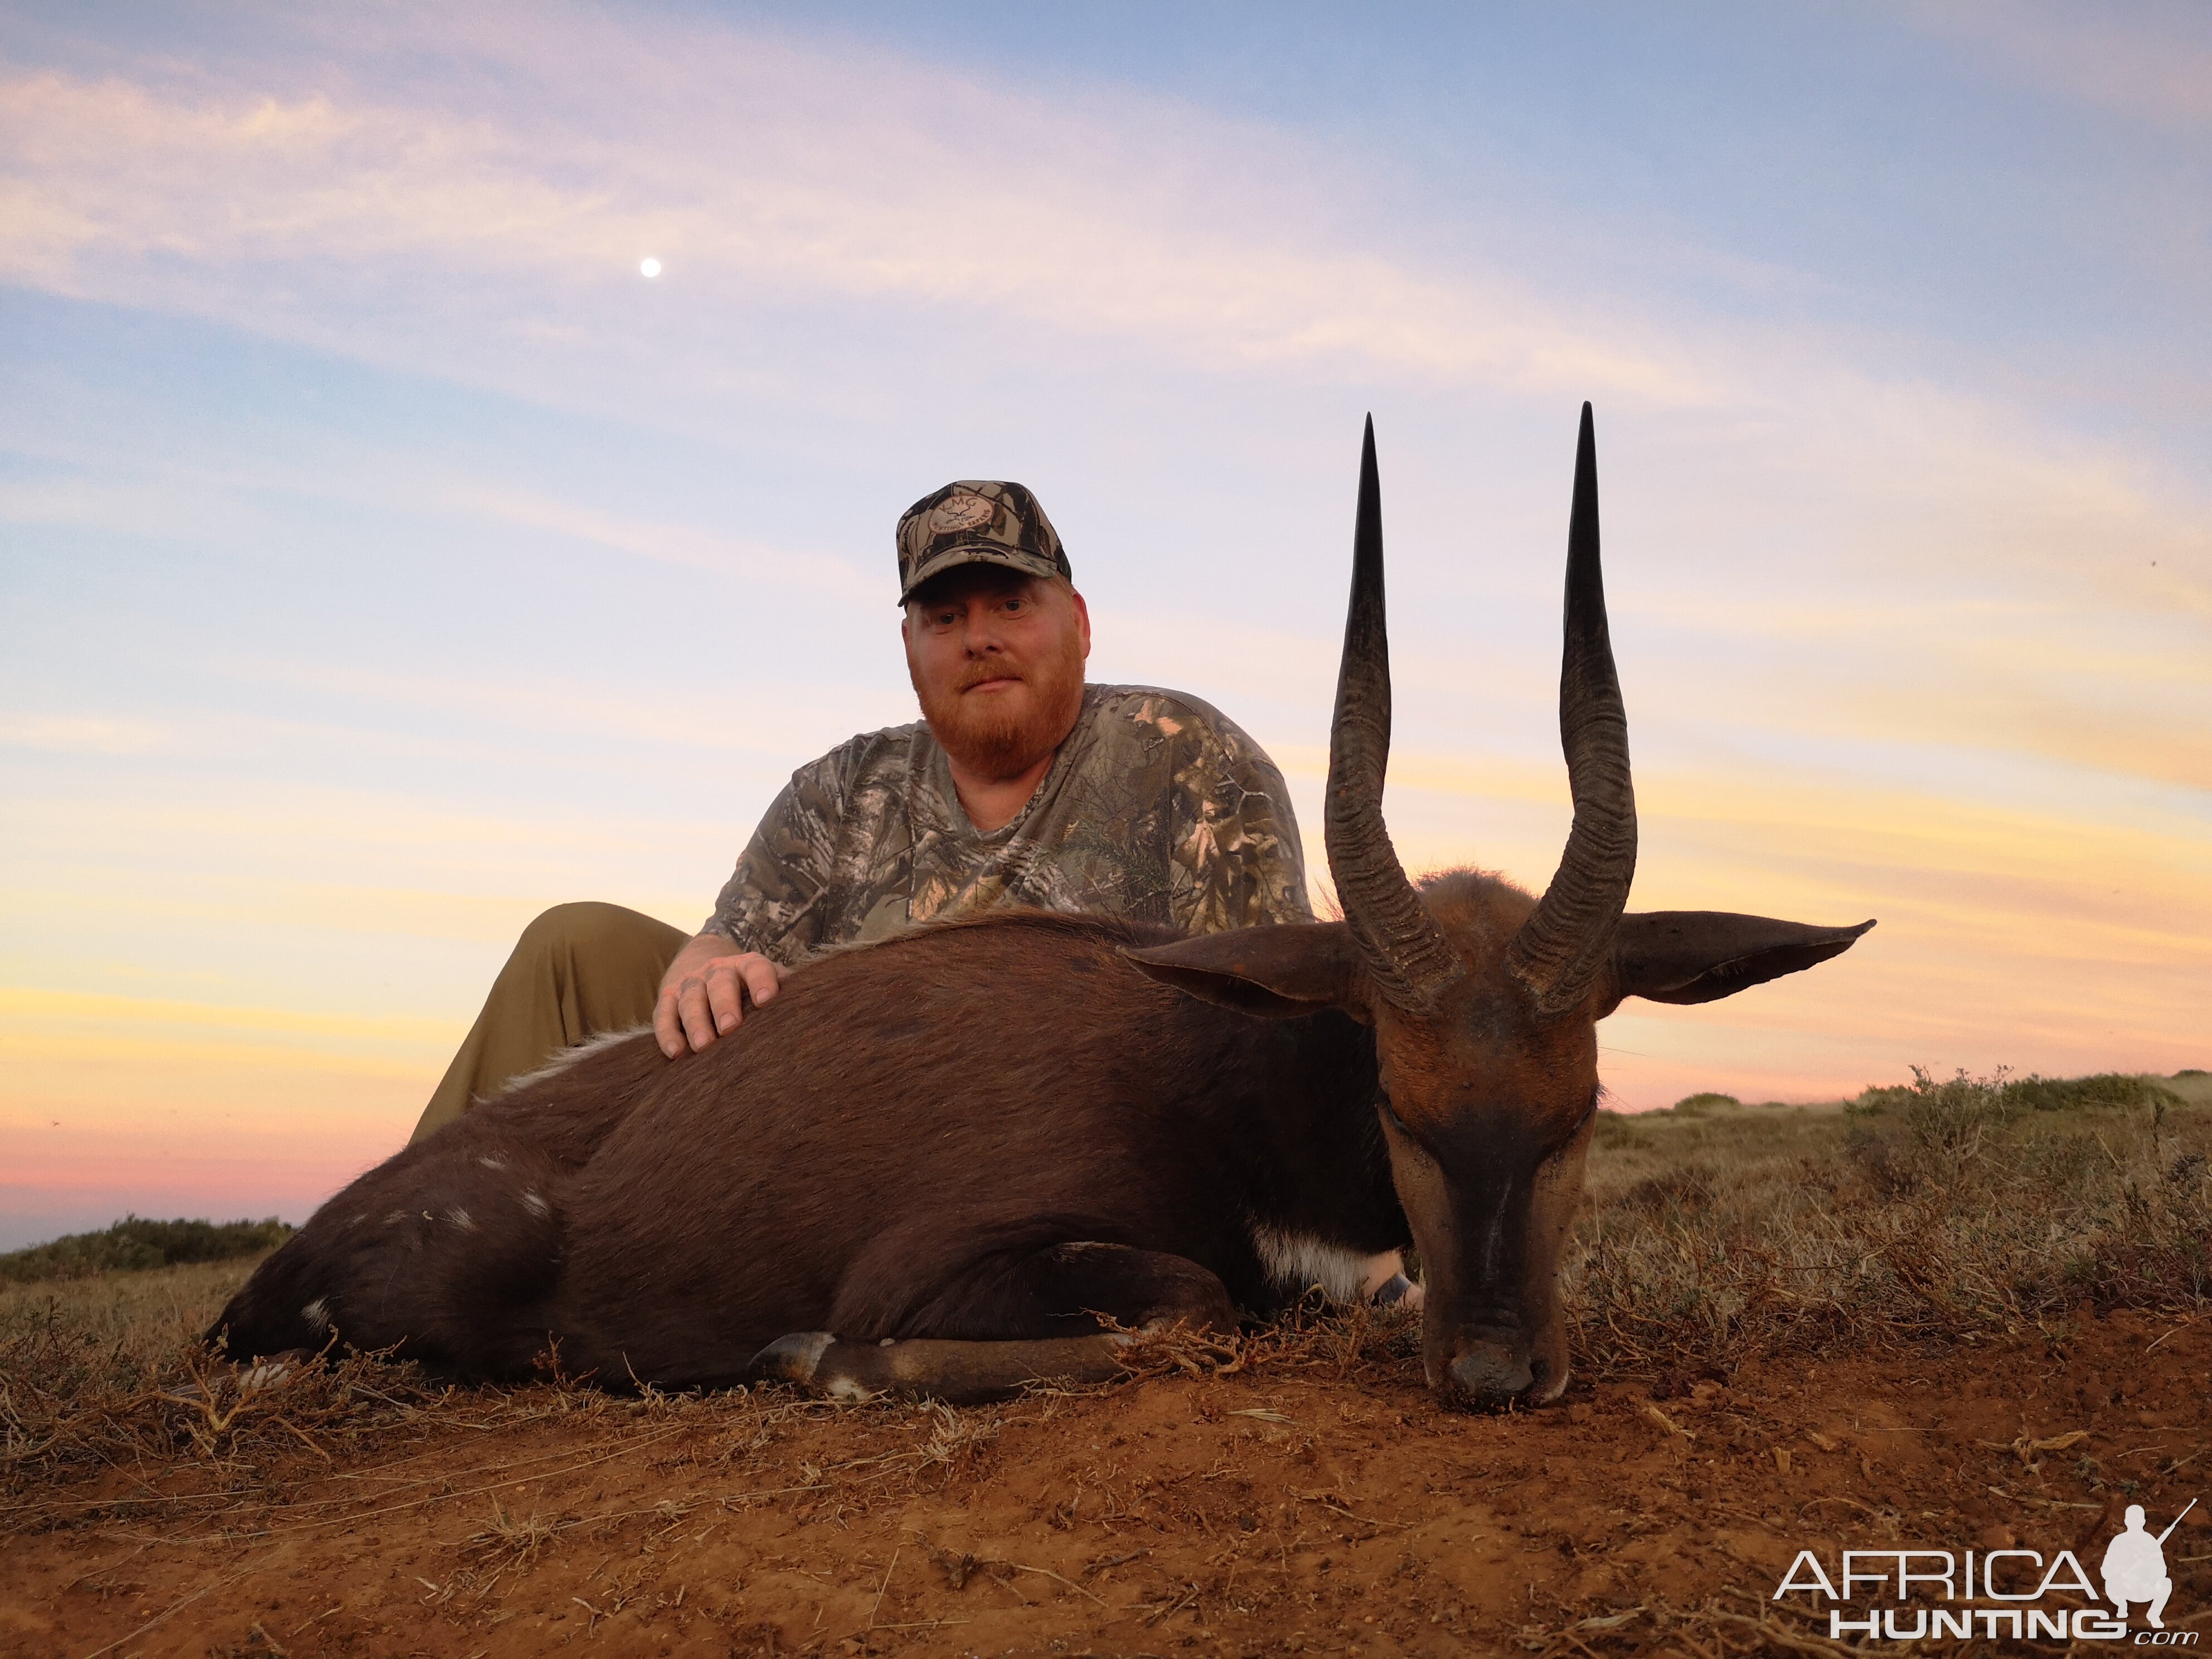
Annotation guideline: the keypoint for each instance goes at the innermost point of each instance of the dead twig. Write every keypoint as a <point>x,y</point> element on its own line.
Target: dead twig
<point>883,1587</point>
<point>1189,1596</point>
<point>1049,1573</point>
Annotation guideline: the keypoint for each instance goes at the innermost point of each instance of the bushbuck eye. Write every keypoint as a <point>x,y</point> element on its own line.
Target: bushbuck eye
<point>1569,1139</point>
<point>1398,1124</point>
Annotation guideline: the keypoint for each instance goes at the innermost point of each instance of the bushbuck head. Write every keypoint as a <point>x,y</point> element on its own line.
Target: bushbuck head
<point>1484,1000</point>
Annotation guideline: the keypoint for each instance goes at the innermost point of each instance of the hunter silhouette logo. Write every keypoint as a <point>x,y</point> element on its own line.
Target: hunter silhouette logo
<point>2009,1593</point>
<point>2135,1566</point>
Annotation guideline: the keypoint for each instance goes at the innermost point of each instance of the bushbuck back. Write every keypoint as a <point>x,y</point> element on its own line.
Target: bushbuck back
<point>954,1161</point>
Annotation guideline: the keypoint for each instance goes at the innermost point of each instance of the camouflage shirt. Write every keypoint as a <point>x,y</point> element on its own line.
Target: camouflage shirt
<point>1156,808</point>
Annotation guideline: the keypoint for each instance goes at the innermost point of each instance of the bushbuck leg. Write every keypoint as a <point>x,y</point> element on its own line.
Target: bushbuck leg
<point>1066,1287</point>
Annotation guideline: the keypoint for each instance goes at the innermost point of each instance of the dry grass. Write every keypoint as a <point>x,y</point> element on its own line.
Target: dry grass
<point>105,1374</point>
<point>109,1409</point>
<point>1948,1212</point>
<point>1944,1215</point>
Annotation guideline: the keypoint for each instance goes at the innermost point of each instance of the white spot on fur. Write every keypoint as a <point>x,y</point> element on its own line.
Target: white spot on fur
<point>494,1164</point>
<point>536,1205</point>
<point>1297,1262</point>
<point>461,1219</point>
<point>317,1314</point>
<point>395,1217</point>
<point>356,1221</point>
<point>567,1057</point>
<point>846,1388</point>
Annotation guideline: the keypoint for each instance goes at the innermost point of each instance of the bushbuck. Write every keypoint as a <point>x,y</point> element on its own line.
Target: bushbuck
<point>958,1160</point>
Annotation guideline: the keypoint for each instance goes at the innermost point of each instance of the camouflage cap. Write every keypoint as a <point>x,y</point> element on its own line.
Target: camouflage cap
<point>976,521</point>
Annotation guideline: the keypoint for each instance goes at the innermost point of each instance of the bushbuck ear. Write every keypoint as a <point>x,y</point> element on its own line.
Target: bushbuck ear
<point>1700,956</point>
<point>1279,972</point>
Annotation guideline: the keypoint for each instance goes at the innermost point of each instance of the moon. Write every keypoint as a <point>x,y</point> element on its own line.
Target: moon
<point>648,267</point>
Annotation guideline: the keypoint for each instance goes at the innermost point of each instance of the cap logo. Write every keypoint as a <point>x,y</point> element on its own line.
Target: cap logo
<point>961,512</point>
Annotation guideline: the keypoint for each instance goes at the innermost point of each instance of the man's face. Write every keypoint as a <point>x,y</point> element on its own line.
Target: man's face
<point>997,661</point>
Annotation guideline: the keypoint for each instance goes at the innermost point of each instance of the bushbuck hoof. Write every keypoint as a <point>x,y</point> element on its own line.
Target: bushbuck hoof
<point>959,1373</point>
<point>1398,1292</point>
<point>243,1378</point>
<point>793,1358</point>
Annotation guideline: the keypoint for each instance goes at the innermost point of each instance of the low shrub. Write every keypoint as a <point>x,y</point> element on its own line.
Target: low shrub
<point>1945,1211</point>
<point>2047,1094</point>
<point>135,1242</point>
<point>1698,1104</point>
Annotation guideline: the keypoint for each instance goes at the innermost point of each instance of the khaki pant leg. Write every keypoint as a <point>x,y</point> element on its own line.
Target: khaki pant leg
<point>577,970</point>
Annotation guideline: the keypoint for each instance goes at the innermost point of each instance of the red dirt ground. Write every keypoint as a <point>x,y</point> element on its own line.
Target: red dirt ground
<point>1329,1509</point>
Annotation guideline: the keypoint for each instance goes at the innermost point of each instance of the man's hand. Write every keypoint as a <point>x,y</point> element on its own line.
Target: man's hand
<point>703,994</point>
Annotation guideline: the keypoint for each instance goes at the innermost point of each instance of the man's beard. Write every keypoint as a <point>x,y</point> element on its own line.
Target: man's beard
<point>1003,736</point>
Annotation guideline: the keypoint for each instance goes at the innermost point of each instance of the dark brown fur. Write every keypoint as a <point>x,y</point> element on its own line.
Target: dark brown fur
<point>897,1146</point>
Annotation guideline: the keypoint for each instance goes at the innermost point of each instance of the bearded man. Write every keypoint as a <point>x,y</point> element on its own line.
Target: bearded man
<point>1021,785</point>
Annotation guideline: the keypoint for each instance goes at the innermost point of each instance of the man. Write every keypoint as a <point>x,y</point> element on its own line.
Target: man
<point>1021,785</point>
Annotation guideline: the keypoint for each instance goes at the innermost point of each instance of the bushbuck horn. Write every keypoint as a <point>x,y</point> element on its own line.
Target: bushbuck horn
<point>1563,947</point>
<point>1406,952</point>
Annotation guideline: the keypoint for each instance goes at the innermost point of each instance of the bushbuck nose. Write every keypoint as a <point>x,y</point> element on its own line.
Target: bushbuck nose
<point>1486,1373</point>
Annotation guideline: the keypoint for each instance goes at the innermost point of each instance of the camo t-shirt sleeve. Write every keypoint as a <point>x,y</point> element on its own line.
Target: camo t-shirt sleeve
<point>773,900</point>
<point>1237,857</point>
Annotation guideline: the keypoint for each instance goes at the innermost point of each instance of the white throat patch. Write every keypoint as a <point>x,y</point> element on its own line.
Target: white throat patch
<point>1297,1262</point>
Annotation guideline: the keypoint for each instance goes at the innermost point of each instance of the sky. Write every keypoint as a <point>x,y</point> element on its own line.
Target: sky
<point>383,558</point>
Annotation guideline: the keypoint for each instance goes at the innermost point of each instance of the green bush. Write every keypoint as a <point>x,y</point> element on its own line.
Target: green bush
<point>2000,1093</point>
<point>1949,1121</point>
<point>136,1242</point>
<point>1697,1105</point>
<point>2052,1094</point>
